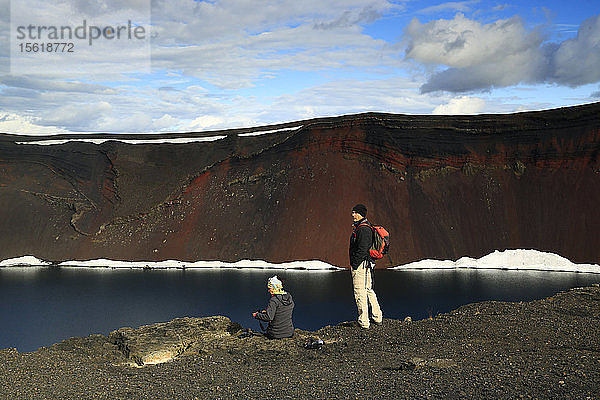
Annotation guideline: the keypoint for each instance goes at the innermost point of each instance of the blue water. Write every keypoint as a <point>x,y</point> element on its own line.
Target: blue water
<point>42,306</point>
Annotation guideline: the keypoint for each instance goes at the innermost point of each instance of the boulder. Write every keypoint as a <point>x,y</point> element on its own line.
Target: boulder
<point>162,342</point>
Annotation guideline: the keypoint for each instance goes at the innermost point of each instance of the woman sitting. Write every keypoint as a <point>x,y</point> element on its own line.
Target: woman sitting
<point>279,311</point>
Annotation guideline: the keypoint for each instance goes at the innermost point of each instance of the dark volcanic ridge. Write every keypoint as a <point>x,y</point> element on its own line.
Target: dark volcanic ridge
<point>545,349</point>
<point>444,186</point>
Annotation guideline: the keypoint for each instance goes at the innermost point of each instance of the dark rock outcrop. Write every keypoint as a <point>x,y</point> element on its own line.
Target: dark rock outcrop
<point>163,342</point>
<point>444,186</point>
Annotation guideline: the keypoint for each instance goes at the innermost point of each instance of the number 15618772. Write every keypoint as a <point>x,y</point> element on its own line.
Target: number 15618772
<point>50,47</point>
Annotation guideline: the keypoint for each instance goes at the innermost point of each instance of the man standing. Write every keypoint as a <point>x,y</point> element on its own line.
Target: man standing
<point>362,270</point>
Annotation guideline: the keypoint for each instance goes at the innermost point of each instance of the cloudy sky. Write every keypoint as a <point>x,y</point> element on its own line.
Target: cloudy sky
<point>204,65</point>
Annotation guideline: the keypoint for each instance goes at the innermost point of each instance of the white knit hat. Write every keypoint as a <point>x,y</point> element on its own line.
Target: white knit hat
<point>275,283</point>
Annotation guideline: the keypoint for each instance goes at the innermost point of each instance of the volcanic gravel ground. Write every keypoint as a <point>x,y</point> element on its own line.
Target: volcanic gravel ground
<point>546,349</point>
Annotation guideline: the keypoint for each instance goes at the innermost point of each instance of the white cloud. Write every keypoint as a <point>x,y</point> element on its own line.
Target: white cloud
<point>462,42</point>
<point>461,105</point>
<point>45,84</point>
<point>395,95</point>
<point>118,53</point>
<point>166,122</point>
<point>13,123</point>
<point>200,39</point>
<point>183,22</point>
<point>213,122</point>
<point>123,123</point>
<point>462,6</point>
<point>95,7</point>
<point>501,7</point>
<point>77,116</point>
<point>238,63</point>
<point>501,54</point>
<point>204,122</point>
<point>577,60</point>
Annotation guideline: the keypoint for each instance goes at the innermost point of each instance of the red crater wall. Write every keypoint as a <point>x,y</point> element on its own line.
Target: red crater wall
<point>444,186</point>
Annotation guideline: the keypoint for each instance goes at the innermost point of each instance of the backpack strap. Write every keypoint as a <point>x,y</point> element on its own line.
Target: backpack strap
<point>361,224</point>
<point>369,258</point>
<point>365,223</point>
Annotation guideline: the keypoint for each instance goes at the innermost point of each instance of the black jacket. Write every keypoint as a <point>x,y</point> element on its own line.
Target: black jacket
<point>360,243</point>
<point>279,316</point>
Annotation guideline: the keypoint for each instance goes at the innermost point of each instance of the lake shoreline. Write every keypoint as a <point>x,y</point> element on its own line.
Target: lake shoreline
<point>541,349</point>
<point>508,259</point>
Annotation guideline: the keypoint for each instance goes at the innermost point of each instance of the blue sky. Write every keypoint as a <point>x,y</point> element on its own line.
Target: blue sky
<point>238,63</point>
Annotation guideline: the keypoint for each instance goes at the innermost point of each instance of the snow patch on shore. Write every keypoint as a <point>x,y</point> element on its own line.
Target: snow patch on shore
<point>508,259</point>
<point>170,264</point>
<point>24,261</point>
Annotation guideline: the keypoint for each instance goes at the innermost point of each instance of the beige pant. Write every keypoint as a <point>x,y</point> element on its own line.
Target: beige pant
<point>365,295</point>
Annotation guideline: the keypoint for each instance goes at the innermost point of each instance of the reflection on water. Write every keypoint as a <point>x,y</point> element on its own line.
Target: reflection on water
<point>41,306</point>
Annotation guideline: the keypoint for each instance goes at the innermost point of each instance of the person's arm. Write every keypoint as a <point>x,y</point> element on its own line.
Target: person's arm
<point>364,240</point>
<point>269,313</point>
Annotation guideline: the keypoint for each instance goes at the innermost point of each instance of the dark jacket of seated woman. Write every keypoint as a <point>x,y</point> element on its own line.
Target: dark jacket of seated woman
<point>278,312</point>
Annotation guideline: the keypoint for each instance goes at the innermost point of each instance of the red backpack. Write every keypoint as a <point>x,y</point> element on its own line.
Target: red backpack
<point>381,241</point>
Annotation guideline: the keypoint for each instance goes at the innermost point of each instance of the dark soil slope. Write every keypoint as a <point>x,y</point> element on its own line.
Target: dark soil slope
<point>444,186</point>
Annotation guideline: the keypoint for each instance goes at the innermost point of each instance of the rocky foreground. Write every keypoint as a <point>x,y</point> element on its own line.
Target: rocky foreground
<point>546,349</point>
